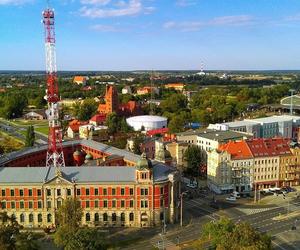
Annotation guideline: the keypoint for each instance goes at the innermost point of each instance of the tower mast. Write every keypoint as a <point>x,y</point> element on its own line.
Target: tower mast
<point>55,156</point>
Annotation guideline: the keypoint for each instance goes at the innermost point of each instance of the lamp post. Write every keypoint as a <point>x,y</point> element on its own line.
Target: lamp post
<point>163,241</point>
<point>181,207</point>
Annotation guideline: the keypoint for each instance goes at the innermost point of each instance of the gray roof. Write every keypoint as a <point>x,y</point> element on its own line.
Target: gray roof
<point>94,174</point>
<point>89,143</point>
<point>222,135</point>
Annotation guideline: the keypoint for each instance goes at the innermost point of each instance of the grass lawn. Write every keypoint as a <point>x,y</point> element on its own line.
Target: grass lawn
<point>23,122</point>
<point>9,143</point>
<point>43,130</point>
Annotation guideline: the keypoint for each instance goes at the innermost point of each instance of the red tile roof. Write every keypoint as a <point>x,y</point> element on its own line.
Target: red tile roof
<point>263,147</point>
<point>98,118</point>
<point>157,131</point>
<point>237,149</point>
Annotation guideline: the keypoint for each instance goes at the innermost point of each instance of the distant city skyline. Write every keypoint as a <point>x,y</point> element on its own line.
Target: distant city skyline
<point>154,34</point>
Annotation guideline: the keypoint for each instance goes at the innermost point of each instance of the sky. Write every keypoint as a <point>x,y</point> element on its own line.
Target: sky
<point>154,34</point>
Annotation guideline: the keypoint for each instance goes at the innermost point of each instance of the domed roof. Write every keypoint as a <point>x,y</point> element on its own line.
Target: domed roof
<point>89,157</point>
<point>77,153</point>
<point>144,163</point>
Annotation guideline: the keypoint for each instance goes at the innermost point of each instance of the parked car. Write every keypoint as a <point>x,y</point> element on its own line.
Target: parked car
<point>236,194</point>
<point>214,205</point>
<point>231,198</point>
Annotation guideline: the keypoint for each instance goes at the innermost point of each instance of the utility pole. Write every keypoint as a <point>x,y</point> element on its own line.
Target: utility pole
<point>181,207</point>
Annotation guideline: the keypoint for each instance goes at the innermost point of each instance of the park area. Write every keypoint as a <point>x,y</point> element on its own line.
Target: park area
<point>287,100</point>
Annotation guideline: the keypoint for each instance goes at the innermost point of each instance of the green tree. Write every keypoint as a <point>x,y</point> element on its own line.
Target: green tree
<point>174,103</point>
<point>193,157</point>
<point>137,141</point>
<point>13,106</point>
<point>225,234</point>
<point>30,137</point>
<point>87,109</point>
<point>112,122</point>
<point>124,127</point>
<point>69,213</point>
<point>39,101</point>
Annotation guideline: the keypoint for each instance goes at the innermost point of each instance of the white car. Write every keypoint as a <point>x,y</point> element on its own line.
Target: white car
<point>231,198</point>
<point>236,194</point>
<point>191,185</point>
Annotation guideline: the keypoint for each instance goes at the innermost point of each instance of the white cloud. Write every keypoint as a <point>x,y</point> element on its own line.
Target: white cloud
<point>293,18</point>
<point>105,28</point>
<point>218,21</point>
<point>121,8</point>
<point>96,2</point>
<point>13,2</point>
<point>184,3</point>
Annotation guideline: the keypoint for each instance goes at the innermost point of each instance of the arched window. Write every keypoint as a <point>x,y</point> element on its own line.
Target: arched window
<point>49,218</point>
<point>105,217</point>
<point>122,216</point>
<point>30,217</point>
<point>22,218</point>
<point>114,217</point>
<point>87,217</point>
<point>40,218</point>
<point>96,217</point>
<point>131,216</point>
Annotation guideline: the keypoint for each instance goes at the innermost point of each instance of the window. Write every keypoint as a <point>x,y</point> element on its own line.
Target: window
<point>12,192</point>
<point>30,204</point>
<point>21,192</point>
<point>96,191</point>
<point>48,192</point>
<point>122,191</point>
<point>113,191</point>
<point>78,191</point>
<point>39,204</point>
<point>49,218</point>
<point>22,218</point>
<point>144,203</point>
<point>3,204</point>
<point>122,203</point>
<point>105,217</point>
<point>96,217</point>
<point>114,217</point>
<point>58,191</point>
<point>21,204</point>
<point>68,192</point>
<point>30,192</point>
<point>87,217</point>
<point>12,204</point>
<point>104,191</point>
<point>31,218</point>
<point>122,217</point>
<point>105,203</point>
<point>144,191</point>
<point>161,202</point>
<point>87,191</point>
<point>114,203</point>
<point>131,191</point>
<point>39,192</point>
<point>131,203</point>
<point>3,192</point>
<point>96,203</point>
<point>48,204</point>
<point>40,218</point>
<point>59,203</point>
<point>162,190</point>
<point>131,217</point>
<point>87,204</point>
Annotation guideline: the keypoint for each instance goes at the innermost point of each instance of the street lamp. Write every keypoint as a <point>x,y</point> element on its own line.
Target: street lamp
<point>181,206</point>
<point>163,241</point>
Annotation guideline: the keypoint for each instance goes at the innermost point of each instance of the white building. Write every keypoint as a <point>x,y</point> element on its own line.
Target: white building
<point>147,122</point>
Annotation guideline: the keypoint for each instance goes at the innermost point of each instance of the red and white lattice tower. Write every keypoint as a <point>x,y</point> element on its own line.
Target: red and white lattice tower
<point>55,156</point>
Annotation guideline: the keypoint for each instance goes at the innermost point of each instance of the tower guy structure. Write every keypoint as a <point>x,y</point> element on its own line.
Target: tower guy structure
<point>55,156</point>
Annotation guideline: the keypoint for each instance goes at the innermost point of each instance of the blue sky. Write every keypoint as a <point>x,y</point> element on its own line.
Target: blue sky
<point>154,34</point>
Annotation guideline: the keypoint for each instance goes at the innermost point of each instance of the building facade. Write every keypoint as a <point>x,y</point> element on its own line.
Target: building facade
<point>141,194</point>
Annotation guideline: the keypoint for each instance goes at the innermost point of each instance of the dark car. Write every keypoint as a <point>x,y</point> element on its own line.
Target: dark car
<point>214,205</point>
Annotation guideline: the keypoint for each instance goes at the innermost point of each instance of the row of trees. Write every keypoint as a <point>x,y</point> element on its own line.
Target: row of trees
<point>225,234</point>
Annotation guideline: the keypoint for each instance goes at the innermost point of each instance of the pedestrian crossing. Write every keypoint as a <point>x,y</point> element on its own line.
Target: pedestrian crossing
<point>250,211</point>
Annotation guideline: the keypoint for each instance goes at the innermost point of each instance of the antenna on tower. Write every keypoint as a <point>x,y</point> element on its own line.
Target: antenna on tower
<point>55,155</point>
